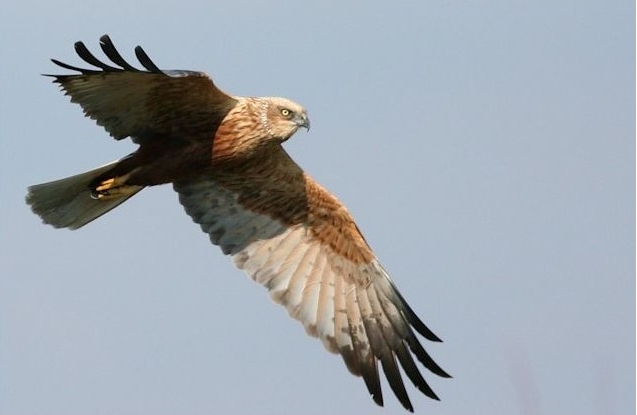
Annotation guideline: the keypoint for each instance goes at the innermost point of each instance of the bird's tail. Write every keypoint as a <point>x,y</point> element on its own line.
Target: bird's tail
<point>77,200</point>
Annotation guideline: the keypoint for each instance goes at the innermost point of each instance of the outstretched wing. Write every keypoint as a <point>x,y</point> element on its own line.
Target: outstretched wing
<point>146,105</point>
<point>295,238</point>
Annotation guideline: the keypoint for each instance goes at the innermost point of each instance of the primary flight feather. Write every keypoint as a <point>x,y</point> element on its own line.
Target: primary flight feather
<point>224,157</point>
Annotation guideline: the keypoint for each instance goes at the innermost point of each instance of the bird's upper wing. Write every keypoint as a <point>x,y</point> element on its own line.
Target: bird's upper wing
<point>292,236</point>
<point>148,104</point>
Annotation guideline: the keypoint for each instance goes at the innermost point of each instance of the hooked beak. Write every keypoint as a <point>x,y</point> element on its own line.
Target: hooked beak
<point>303,121</point>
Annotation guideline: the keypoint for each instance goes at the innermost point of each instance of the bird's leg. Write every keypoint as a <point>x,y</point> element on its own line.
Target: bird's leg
<point>113,187</point>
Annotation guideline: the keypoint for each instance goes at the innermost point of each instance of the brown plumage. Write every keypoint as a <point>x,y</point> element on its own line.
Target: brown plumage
<point>223,155</point>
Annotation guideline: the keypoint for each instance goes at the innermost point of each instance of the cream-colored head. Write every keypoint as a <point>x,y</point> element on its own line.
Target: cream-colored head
<point>281,118</point>
<point>255,123</point>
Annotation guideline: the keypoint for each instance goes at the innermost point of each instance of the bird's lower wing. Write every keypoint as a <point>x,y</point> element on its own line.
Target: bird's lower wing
<point>354,308</point>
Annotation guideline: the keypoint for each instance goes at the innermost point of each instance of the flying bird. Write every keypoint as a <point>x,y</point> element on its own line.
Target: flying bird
<point>223,155</point>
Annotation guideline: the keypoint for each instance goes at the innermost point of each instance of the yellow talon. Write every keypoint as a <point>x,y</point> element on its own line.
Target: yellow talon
<point>113,187</point>
<point>105,185</point>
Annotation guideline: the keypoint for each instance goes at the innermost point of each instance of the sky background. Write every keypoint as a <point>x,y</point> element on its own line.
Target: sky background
<point>486,149</point>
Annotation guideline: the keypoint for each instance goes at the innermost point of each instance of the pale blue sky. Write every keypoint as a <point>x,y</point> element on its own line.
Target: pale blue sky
<point>486,149</point>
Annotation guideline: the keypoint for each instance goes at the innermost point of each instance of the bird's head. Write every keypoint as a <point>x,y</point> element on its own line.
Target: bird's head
<point>281,118</point>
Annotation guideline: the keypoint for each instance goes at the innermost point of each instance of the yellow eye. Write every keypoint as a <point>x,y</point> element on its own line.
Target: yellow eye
<point>285,112</point>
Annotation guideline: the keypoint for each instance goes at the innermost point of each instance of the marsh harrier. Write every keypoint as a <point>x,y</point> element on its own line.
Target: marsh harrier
<point>224,156</point>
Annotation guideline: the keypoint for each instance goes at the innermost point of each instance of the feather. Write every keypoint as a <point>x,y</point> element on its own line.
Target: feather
<point>352,307</point>
<point>69,203</point>
<point>109,50</point>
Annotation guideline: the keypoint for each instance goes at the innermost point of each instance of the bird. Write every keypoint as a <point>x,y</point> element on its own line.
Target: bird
<point>224,157</point>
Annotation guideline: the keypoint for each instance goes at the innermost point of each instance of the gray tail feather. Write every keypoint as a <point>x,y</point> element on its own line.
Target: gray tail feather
<point>69,203</point>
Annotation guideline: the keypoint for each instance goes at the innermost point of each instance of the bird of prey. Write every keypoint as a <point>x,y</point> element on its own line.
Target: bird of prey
<point>223,155</point>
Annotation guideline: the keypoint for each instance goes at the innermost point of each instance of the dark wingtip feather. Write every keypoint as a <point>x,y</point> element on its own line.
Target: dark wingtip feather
<point>72,68</point>
<point>377,398</point>
<point>409,366</point>
<point>369,372</point>
<point>89,58</point>
<point>424,357</point>
<point>396,381</point>
<point>111,52</point>
<point>351,360</point>
<point>415,321</point>
<point>145,60</point>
